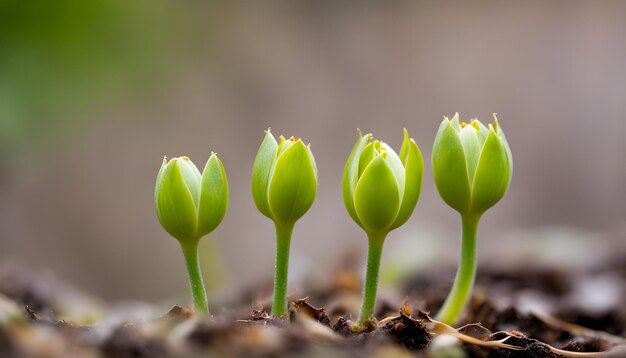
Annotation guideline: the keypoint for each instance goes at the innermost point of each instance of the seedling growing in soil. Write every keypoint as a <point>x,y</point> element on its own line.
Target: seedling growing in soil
<point>380,190</point>
<point>284,183</point>
<point>472,166</point>
<point>190,206</point>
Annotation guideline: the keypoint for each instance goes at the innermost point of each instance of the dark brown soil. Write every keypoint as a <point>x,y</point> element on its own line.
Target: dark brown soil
<point>525,312</point>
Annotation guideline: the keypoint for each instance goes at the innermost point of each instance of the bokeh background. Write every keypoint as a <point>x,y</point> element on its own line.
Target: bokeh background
<point>94,93</point>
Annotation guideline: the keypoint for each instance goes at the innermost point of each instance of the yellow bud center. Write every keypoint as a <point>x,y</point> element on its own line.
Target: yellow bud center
<point>378,149</point>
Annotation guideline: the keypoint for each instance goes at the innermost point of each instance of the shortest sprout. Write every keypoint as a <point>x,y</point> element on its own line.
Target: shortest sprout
<point>190,205</point>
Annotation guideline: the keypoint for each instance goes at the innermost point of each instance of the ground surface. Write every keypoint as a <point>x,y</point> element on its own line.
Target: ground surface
<point>526,311</point>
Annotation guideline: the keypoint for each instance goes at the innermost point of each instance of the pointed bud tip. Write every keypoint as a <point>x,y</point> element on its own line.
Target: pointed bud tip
<point>495,122</point>
<point>455,116</point>
<point>406,135</point>
<point>368,135</point>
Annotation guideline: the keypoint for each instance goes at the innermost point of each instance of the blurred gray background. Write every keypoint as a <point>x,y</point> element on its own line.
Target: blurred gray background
<point>93,94</point>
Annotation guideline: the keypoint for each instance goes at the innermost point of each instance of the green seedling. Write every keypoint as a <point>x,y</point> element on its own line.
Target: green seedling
<point>189,206</point>
<point>380,190</point>
<point>472,166</point>
<point>284,183</point>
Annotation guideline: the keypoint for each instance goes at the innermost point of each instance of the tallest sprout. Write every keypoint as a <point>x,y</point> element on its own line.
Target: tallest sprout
<point>472,166</point>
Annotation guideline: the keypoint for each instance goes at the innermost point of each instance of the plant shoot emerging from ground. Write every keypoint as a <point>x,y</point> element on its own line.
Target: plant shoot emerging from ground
<point>190,205</point>
<point>284,183</point>
<point>472,166</point>
<point>380,190</point>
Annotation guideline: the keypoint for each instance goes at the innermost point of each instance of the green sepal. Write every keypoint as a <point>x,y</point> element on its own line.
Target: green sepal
<point>449,168</point>
<point>262,171</point>
<point>308,148</point>
<point>293,184</point>
<point>483,131</point>
<point>454,121</point>
<point>493,174</point>
<point>213,196</point>
<point>508,150</point>
<point>191,176</point>
<point>413,162</point>
<point>175,206</point>
<point>351,175</point>
<point>396,166</point>
<point>376,199</point>
<point>471,148</point>
<point>157,186</point>
<point>366,156</point>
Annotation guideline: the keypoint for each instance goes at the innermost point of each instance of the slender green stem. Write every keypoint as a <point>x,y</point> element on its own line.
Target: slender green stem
<point>374,252</point>
<point>283,241</point>
<point>190,251</point>
<point>464,280</point>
